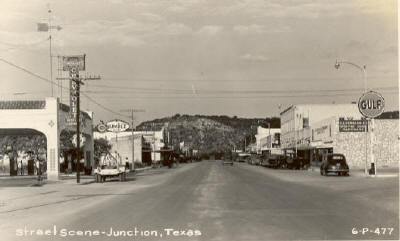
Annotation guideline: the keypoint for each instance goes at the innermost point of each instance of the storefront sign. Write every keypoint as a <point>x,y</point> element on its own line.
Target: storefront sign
<point>117,126</point>
<point>371,104</point>
<point>73,61</point>
<point>73,103</point>
<point>321,133</point>
<point>320,130</point>
<point>353,125</point>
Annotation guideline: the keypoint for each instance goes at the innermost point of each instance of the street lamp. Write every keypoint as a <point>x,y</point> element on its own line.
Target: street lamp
<point>363,69</point>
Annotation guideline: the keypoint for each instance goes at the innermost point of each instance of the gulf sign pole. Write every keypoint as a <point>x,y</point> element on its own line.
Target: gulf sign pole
<point>371,104</point>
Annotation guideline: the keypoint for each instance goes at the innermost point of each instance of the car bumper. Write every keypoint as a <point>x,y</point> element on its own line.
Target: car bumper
<point>337,170</point>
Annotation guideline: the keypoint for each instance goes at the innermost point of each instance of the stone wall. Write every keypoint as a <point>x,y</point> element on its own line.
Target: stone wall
<point>352,145</point>
<point>386,146</point>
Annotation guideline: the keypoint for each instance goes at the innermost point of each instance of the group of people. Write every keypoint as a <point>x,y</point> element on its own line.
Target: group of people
<point>21,163</point>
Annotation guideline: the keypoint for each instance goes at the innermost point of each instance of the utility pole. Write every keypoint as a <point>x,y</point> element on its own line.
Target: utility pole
<point>74,64</point>
<point>133,134</point>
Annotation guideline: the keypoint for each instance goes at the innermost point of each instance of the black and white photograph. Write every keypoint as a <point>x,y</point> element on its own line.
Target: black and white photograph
<point>199,120</point>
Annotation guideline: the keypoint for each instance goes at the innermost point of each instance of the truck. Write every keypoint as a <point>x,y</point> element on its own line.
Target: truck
<point>110,167</point>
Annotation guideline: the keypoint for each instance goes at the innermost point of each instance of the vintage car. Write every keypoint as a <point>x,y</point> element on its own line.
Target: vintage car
<point>334,163</point>
<point>106,171</point>
<point>275,161</point>
<point>297,163</point>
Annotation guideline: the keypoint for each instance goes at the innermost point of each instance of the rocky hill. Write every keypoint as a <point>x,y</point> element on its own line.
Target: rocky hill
<point>210,134</point>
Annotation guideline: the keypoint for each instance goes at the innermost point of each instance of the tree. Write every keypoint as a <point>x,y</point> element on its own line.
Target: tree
<point>101,146</point>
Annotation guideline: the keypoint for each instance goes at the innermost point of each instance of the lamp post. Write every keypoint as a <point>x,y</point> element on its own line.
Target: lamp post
<point>363,70</point>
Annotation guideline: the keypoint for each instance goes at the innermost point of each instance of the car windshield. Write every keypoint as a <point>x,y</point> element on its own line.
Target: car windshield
<point>334,159</point>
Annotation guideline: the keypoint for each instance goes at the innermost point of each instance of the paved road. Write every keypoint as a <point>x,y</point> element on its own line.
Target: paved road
<point>241,202</point>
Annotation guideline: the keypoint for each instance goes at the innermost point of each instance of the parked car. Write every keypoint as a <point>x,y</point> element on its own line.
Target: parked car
<point>243,157</point>
<point>297,163</point>
<point>334,163</point>
<point>254,160</point>
<point>275,161</point>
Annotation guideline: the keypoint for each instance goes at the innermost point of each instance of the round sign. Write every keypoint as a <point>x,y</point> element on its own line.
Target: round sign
<point>371,104</point>
<point>101,128</point>
<point>117,126</point>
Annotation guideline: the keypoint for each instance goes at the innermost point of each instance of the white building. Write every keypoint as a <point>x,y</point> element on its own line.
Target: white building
<point>150,142</point>
<point>296,120</point>
<point>267,138</point>
<point>261,133</point>
<point>272,143</point>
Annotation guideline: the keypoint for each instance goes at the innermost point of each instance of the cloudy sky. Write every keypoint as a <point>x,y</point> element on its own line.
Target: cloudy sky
<point>228,57</point>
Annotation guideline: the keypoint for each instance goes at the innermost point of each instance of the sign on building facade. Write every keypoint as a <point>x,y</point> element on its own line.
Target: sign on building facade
<point>117,126</point>
<point>353,125</point>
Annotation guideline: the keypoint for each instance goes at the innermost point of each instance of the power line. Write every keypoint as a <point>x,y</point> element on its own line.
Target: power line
<point>235,97</point>
<point>27,71</point>
<point>49,81</point>
<point>165,91</point>
<point>102,106</point>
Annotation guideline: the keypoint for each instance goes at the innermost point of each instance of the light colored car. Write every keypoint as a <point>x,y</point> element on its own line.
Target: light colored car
<point>105,171</point>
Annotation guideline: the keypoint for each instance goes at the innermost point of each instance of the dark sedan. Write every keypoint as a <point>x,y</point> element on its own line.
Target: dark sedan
<point>275,161</point>
<point>334,163</point>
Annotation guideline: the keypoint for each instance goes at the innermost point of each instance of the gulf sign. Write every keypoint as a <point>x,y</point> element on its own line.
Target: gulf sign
<point>117,126</point>
<point>371,104</point>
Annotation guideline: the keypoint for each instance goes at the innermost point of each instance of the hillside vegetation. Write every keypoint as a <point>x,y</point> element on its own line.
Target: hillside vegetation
<point>210,134</point>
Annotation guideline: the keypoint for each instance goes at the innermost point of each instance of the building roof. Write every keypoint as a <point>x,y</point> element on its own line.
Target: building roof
<point>22,104</point>
<point>316,104</point>
<point>33,105</point>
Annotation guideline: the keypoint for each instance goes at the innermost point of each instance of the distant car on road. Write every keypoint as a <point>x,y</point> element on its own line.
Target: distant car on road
<point>334,163</point>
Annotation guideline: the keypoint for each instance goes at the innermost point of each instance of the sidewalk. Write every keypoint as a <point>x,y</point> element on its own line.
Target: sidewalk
<point>21,181</point>
<point>17,197</point>
<point>18,193</point>
<point>387,171</point>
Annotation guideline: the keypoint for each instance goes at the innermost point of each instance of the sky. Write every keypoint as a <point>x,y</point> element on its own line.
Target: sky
<point>249,58</point>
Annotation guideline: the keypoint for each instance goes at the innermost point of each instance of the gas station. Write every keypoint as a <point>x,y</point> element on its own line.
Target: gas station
<point>49,117</point>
